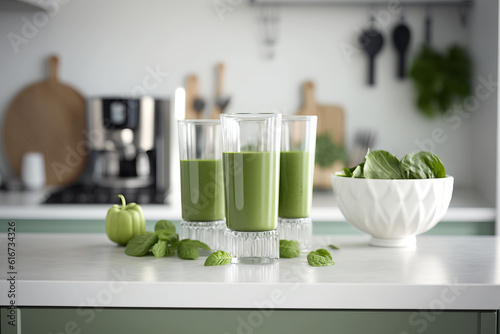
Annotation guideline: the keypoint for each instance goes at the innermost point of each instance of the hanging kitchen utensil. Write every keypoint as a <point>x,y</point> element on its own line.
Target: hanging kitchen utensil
<point>371,42</point>
<point>401,36</point>
<point>221,101</point>
<point>428,26</point>
<point>194,103</point>
<point>48,117</point>
<point>269,22</point>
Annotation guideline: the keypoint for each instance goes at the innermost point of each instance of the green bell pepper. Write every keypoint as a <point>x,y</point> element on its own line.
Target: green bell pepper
<point>124,222</point>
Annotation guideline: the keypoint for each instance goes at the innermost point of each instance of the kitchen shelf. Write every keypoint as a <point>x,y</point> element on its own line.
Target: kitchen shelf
<point>403,3</point>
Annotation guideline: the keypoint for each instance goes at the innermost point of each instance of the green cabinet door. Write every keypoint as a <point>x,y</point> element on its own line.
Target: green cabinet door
<point>207,321</point>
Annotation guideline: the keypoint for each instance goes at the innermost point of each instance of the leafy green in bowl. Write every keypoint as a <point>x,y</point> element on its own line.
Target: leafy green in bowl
<point>384,165</point>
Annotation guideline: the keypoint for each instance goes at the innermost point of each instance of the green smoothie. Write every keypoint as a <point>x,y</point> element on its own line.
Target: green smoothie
<point>295,195</point>
<point>202,190</point>
<point>251,184</point>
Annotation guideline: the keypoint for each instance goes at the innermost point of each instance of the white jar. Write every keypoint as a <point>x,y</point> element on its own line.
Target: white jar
<point>33,171</point>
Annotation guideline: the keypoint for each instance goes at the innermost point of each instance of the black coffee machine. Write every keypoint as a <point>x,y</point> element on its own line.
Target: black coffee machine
<point>128,153</point>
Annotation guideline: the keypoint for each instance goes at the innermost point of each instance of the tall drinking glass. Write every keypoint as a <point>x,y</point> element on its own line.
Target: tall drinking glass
<point>298,146</point>
<point>202,184</point>
<point>251,145</point>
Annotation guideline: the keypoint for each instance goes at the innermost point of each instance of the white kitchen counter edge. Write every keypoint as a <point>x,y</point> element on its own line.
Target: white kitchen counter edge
<point>440,273</point>
<point>255,295</point>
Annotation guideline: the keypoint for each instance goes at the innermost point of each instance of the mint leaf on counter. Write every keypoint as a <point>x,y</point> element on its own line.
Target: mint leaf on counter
<point>289,248</point>
<point>333,247</point>
<point>320,258</point>
<point>188,251</point>
<point>140,244</point>
<point>159,249</point>
<point>324,253</point>
<point>170,251</point>
<point>218,258</point>
<point>170,238</point>
<point>165,225</point>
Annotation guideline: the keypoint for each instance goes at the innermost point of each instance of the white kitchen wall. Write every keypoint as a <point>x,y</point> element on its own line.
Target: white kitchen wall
<point>106,47</point>
<point>484,48</point>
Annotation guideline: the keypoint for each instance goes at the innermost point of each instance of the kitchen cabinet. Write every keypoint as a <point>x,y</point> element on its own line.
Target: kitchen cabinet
<point>88,320</point>
<point>364,2</point>
<point>67,283</point>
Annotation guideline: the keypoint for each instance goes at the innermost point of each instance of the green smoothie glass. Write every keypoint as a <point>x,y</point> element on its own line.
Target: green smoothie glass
<point>298,146</point>
<point>202,184</point>
<point>251,154</point>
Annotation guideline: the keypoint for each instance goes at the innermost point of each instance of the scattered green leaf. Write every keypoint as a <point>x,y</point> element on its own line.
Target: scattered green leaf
<point>218,258</point>
<point>165,225</point>
<point>289,248</point>
<point>165,235</point>
<point>159,249</point>
<point>188,251</point>
<point>141,244</point>
<point>170,251</point>
<point>333,247</point>
<point>320,258</point>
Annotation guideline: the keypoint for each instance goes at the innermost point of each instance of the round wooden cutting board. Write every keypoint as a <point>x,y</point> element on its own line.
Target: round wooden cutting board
<point>48,117</point>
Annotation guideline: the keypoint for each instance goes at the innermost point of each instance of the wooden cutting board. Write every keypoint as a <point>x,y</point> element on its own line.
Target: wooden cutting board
<point>330,122</point>
<point>48,117</point>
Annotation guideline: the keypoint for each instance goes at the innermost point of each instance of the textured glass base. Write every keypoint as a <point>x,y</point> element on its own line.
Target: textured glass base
<point>299,229</point>
<point>210,232</point>
<point>253,247</point>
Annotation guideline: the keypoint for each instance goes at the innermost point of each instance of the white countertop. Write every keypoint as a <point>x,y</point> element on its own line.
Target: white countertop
<point>466,206</point>
<point>88,270</point>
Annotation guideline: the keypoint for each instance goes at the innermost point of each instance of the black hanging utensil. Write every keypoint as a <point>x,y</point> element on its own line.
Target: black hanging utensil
<point>199,105</point>
<point>221,100</point>
<point>371,41</point>
<point>428,27</point>
<point>401,37</point>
